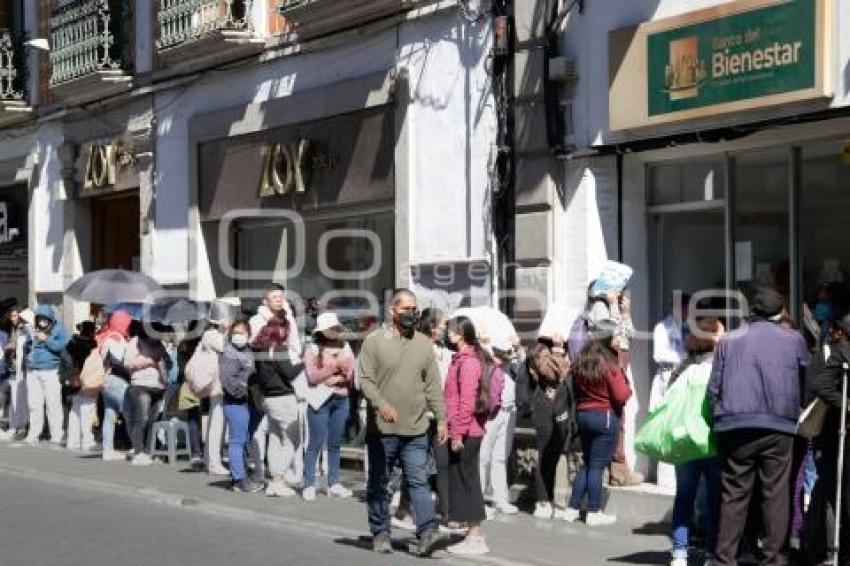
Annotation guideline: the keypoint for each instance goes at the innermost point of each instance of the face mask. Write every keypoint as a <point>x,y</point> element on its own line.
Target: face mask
<point>239,340</point>
<point>42,324</point>
<point>406,320</point>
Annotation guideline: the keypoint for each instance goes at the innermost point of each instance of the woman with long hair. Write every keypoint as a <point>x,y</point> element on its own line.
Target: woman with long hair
<point>469,392</point>
<point>17,331</point>
<point>601,392</point>
<point>275,374</point>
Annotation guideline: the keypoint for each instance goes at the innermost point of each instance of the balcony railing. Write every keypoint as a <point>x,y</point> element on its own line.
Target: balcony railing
<point>182,21</point>
<point>313,18</point>
<point>12,76</point>
<point>88,36</point>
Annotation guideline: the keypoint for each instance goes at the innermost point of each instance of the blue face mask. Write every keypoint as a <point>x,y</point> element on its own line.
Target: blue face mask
<point>823,312</point>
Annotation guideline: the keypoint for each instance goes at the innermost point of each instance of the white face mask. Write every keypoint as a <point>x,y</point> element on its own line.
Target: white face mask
<point>239,340</point>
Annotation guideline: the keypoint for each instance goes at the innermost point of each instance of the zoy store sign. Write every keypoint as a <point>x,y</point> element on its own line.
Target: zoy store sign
<point>733,57</point>
<point>288,167</point>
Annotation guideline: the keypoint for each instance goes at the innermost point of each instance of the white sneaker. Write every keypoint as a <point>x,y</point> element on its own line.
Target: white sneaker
<point>543,510</point>
<point>113,456</point>
<point>470,546</point>
<point>339,490</point>
<point>309,493</point>
<point>7,435</point>
<point>506,508</point>
<point>569,514</point>
<point>405,524</point>
<point>279,489</point>
<point>600,519</point>
<point>218,470</point>
<point>679,562</point>
<point>141,460</point>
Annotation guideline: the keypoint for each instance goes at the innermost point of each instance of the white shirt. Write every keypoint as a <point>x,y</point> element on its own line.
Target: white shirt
<point>668,344</point>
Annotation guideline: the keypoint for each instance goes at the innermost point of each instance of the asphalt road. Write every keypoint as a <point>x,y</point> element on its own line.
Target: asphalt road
<point>61,509</point>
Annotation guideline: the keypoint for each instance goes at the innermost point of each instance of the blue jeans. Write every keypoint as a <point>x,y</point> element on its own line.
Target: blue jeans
<point>688,477</point>
<point>598,434</point>
<point>385,451</point>
<point>242,421</point>
<point>328,423</point>
<point>113,405</point>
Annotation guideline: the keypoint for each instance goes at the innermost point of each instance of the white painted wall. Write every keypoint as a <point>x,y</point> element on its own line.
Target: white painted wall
<point>452,129</point>
<point>47,212</point>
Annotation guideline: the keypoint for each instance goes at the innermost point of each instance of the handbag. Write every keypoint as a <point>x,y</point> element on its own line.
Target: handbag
<point>679,429</point>
<point>316,395</point>
<point>810,423</point>
<point>93,374</point>
<point>201,371</point>
<point>186,398</point>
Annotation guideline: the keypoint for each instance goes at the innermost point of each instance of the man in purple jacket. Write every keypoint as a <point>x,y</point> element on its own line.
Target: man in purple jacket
<point>755,392</point>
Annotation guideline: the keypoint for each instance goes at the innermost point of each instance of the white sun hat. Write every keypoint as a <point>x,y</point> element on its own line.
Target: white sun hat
<point>327,321</point>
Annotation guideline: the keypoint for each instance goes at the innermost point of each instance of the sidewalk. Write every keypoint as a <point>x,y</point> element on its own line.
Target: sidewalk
<point>521,539</point>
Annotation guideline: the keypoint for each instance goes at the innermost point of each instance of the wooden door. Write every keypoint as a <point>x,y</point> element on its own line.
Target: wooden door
<point>115,232</point>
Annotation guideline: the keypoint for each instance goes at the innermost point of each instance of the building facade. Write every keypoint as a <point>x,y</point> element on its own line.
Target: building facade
<point>216,145</point>
<point>709,152</point>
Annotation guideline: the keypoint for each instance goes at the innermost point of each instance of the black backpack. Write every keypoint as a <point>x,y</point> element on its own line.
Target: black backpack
<point>565,412</point>
<point>66,368</point>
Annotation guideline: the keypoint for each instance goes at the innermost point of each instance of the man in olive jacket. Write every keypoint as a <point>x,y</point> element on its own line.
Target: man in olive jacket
<point>399,376</point>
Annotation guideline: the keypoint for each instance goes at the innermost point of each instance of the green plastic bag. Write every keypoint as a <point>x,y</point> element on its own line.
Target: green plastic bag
<point>679,429</point>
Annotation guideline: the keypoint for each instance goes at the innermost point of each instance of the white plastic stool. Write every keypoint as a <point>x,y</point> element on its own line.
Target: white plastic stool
<point>171,428</point>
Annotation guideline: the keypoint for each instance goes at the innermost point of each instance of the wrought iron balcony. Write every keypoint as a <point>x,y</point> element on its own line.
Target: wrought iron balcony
<point>90,47</point>
<point>195,33</point>
<point>13,104</point>
<point>314,18</point>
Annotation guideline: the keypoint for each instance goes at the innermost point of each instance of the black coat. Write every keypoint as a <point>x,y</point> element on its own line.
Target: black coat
<point>544,411</point>
<point>824,381</point>
<point>274,377</point>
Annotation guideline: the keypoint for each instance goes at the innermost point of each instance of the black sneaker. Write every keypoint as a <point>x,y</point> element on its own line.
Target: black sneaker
<point>429,542</point>
<point>382,544</point>
<point>248,486</point>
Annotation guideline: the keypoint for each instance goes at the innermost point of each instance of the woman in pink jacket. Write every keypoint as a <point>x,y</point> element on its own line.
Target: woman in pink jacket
<point>468,393</point>
<point>329,364</point>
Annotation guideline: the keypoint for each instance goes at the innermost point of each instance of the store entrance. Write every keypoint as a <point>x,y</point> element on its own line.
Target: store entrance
<point>689,252</point>
<point>115,232</point>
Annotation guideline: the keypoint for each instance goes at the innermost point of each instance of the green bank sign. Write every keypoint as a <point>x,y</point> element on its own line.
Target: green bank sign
<point>765,51</point>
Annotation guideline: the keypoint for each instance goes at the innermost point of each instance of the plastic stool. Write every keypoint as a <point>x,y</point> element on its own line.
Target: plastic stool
<point>172,428</point>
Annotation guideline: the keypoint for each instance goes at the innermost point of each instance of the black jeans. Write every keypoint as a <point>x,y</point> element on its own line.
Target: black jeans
<point>141,402</point>
<point>550,447</point>
<point>746,454</point>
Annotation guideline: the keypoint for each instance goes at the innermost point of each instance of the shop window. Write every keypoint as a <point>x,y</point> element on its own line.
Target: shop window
<point>692,181</point>
<point>762,222</point>
<point>347,261</point>
<point>824,230</point>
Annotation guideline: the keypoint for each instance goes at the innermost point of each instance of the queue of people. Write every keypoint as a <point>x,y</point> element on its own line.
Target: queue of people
<point>442,405</point>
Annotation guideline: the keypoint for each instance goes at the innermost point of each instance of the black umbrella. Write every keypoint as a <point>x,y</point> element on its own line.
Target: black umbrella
<point>174,311</point>
<point>109,286</point>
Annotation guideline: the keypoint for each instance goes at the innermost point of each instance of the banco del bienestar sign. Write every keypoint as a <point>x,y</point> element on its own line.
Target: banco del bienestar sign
<point>733,57</point>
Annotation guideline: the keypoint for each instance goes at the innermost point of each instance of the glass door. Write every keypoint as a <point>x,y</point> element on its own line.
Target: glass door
<point>762,222</point>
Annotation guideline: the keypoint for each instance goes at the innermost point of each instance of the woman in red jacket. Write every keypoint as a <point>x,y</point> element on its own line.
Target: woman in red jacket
<point>468,404</point>
<point>601,392</point>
